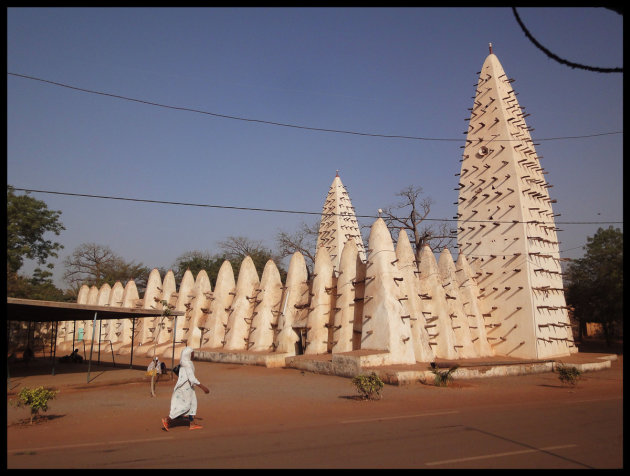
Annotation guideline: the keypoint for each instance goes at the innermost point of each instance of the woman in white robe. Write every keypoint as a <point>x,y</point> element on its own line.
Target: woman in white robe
<point>184,400</point>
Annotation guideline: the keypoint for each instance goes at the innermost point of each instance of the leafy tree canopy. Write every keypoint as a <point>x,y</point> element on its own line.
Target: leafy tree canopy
<point>237,248</point>
<point>232,249</point>
<point>39,286</point>
<point>595,282</point>
<point>28,220</point>
<point>195,261</point>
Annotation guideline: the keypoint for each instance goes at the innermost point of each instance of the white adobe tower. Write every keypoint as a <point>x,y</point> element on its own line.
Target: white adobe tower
<point>338,224</point>
<point>506,226</point>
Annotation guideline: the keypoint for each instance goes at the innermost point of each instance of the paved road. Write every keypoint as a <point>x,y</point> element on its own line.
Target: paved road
<point>298,420</point>
<point>584,434</point>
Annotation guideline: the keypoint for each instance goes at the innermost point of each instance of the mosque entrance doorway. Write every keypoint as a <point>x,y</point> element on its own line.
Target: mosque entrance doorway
<point>300,343</point>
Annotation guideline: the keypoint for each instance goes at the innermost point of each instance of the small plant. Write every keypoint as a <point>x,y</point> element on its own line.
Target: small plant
<point>166,309</point>
<point>369,386</point>
<point>442,377</point>
<point>568,374</point>
<point>36,398</point>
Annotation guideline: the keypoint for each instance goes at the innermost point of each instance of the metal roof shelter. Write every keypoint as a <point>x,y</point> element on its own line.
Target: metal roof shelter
<point>32,310</point>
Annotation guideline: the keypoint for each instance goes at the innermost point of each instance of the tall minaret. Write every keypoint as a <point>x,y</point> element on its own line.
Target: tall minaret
<point>506,226</point>
<point>338,224</point>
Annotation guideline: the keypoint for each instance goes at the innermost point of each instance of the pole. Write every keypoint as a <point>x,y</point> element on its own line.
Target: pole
<point>74,331</point>
<point>112,349</point>
<point>173,351</point>
<point>54,350</point>
<point>92,346</point>
<point>133,332</point>
<point>8,340</point>
<point>28,335</point>
<point>100,327</point>
<point>156,334</point>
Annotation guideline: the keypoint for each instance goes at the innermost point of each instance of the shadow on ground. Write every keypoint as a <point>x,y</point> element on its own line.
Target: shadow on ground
<point>594,345</point>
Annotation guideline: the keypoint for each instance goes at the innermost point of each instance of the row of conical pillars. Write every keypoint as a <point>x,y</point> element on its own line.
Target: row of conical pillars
<point>412,311</point>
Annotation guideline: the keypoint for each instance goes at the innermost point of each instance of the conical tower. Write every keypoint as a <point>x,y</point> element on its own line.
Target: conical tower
<point>506,225</point>
<point>338,224</point>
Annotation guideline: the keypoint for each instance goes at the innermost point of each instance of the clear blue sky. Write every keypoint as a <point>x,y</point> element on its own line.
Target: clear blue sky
<point>399,71</point>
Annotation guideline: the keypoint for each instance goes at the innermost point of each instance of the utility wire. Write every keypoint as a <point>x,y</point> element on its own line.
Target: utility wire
<point>554,57</point>
<point>282,124</point>
<point>272,210</point>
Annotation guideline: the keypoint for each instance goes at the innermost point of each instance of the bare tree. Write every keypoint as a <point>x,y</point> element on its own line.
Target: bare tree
<point>94,264</point>
<point>416,210</point>
<point>235,247</point>
<point>303,240</point>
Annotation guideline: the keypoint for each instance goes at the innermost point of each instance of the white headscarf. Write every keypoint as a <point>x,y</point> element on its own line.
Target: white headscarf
<point>154,365</point>
<point>185,360</point>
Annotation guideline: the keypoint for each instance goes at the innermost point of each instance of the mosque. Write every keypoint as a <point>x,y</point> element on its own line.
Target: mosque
<point>502,296</point>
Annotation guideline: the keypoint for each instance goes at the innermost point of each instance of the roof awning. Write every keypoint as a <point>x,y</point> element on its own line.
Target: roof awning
<point>53,311</point>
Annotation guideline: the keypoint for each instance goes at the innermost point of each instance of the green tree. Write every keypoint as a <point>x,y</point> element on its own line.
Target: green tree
<point>39,286</point>
<point>28,220</point>
<point>36,399</point>
<point>195,261</point>
<point>123,271</point>
<point>236,248</point>
<point>595,282</point>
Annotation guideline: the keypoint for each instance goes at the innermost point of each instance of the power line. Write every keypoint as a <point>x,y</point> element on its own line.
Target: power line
<point>275,210</point>
<point>555,57</point>
<point>282,124</point>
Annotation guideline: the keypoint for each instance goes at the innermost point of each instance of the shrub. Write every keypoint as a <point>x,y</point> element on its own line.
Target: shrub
<point>368,386</point>
<point>442,377</point>
<point>36,398</point>
<point>568,374</point>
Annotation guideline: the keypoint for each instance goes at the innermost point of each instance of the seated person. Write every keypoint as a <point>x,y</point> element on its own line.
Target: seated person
<point>28,355</point>
<point>154,370</point>
<point>155,367</point>
<point>75,357</point>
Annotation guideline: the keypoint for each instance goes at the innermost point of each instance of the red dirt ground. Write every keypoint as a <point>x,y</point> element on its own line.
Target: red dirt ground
<point>116,403</point>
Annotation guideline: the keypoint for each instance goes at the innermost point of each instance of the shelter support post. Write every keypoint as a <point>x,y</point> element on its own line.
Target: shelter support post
<point>173,350</point>
<point>54,345</point>
<point>92,346</point>
<point>100,326</point>
<point>111,347</point>
<point>133,333</point>
<point>8,339</point>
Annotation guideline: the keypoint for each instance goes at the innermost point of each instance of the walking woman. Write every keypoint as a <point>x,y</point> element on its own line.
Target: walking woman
<point>184,400</point>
